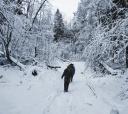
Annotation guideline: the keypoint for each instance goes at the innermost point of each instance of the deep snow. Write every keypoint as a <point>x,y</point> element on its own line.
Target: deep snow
<point>22,93</point>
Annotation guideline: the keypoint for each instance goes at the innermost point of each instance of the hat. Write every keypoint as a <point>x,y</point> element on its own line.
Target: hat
<point>71,64</point>
<point>68,67</point>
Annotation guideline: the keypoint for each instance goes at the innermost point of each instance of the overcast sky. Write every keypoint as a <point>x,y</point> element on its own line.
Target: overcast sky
<point>66,7</point>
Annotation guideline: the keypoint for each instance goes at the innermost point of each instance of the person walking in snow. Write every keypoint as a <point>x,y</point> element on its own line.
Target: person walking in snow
<point>67,76</point>
<point>72,68</point>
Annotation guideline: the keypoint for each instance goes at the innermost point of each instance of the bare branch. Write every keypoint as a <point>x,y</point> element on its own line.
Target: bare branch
<point>37,13</point>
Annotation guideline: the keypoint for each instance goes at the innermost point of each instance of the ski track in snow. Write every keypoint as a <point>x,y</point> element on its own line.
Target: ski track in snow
<point>44,94</point>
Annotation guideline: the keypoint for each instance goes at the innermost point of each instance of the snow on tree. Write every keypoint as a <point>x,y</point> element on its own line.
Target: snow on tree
<point>16,37</point>
<point>103,32</point>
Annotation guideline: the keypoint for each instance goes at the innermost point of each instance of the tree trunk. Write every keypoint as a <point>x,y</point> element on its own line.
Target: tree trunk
<point>35,51</point>
<point>8,54</point>
<point>127,57</point>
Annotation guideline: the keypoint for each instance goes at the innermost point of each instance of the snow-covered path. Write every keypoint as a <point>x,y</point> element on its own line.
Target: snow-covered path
<point>73,102</point>
<point>21,93</point>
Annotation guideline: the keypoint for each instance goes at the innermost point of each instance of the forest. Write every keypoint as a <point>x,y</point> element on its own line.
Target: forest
<point>31,33</point>
<point>37,43</point>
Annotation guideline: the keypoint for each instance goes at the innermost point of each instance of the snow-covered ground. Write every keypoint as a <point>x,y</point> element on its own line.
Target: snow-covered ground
<point>22,93</point>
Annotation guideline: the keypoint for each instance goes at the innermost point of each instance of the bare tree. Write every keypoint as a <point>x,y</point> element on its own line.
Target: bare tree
<point>6,36</point>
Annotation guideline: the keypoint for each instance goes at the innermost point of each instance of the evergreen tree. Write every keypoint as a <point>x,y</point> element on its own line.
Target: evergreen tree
<point>58,26</point>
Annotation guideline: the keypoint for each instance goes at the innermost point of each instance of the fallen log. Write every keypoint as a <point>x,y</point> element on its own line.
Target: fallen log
<point>112,71</point>
<point>18,63</point>
<point>15,61</point>
<point>53,66</point>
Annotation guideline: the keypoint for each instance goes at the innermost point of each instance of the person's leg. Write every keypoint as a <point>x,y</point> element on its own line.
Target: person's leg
<point>67,85</point>
<point>71,78</point>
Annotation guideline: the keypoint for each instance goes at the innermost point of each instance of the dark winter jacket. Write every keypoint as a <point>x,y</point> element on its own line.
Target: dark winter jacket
<point>72,68</point>
<point>67,75</point>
